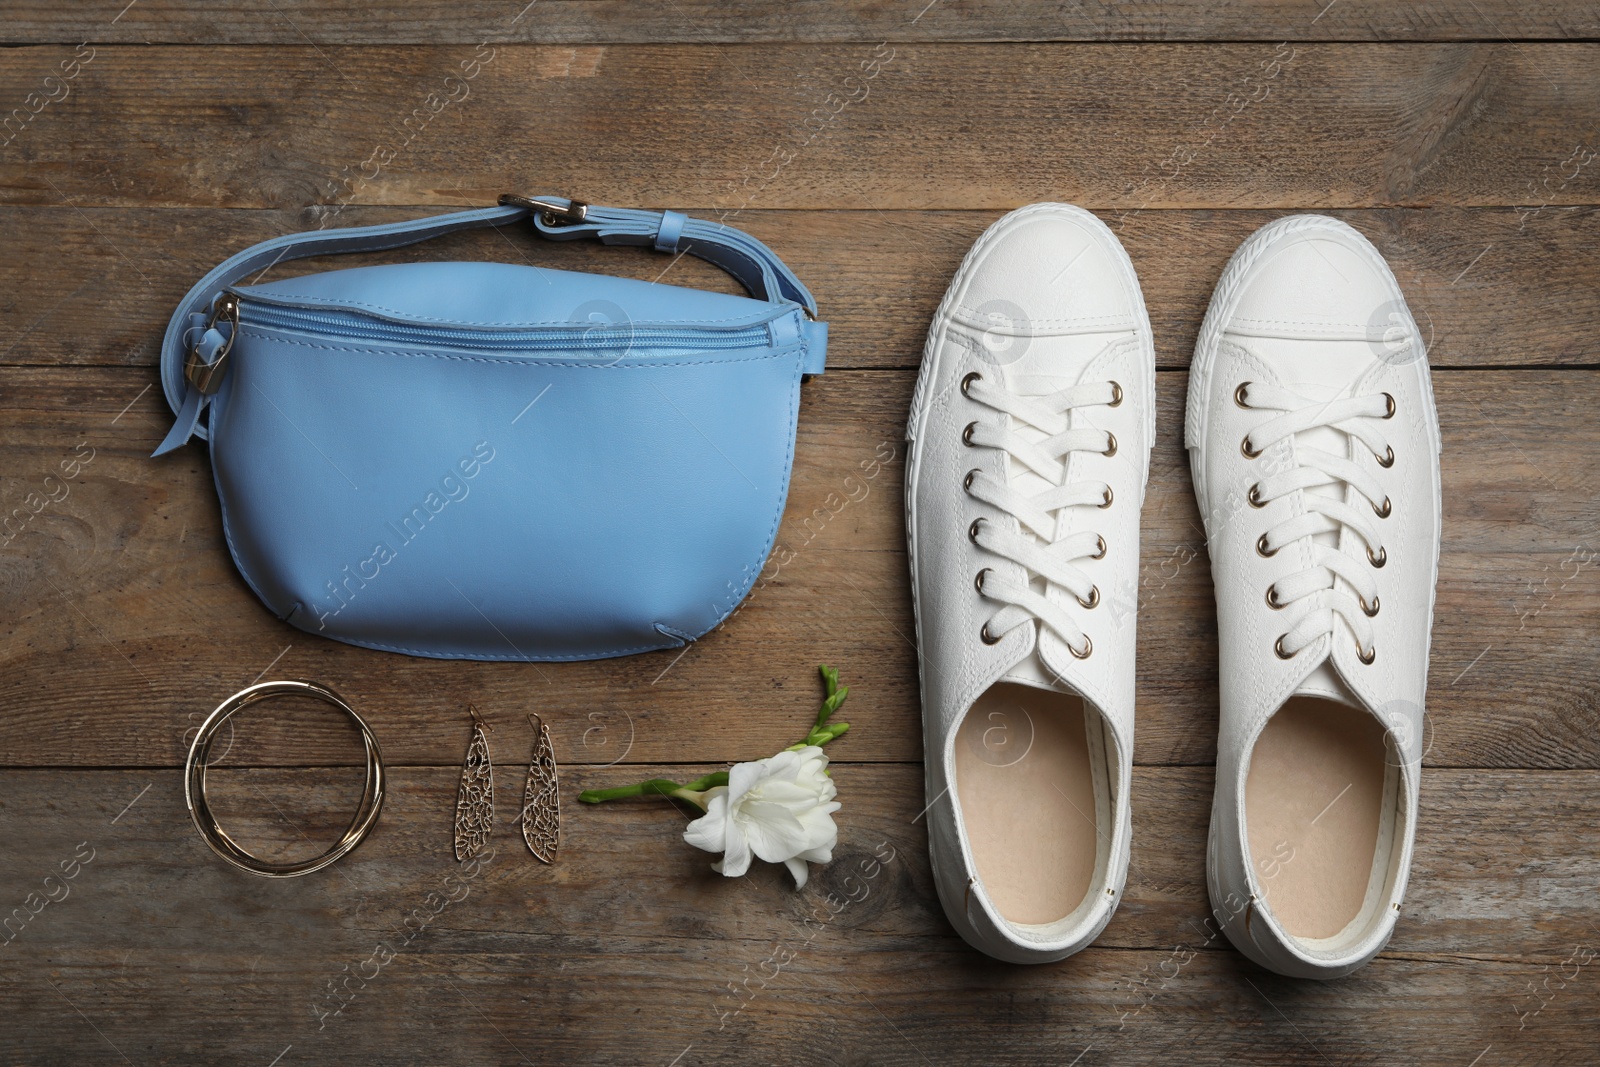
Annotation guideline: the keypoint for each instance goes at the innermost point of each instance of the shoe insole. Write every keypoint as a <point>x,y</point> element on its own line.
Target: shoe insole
<point>1027,796</point>
<point>1313,802</point>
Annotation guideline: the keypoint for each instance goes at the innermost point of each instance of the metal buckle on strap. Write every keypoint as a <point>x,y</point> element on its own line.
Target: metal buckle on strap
<point>207,377</point>
<point>551,213</point>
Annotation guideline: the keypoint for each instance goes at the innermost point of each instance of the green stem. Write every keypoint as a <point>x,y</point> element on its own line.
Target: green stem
<point>710,781</point>
<point>695,792</point>
<point>654,787</point>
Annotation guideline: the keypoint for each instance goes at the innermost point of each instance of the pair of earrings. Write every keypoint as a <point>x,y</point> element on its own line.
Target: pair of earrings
<point>541,799</point>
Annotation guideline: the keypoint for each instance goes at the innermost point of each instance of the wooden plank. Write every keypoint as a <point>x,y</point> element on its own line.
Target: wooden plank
<point>825,126</point>
<point>292,22</point>
<point>631,950</point>
<point>125,621</point>
<point>1488,285</point>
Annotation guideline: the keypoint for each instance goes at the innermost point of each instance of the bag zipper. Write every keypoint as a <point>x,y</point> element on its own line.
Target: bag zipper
<point>354,324</point>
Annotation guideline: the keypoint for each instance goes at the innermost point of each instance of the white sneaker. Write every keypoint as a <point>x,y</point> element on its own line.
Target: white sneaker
<point>1315,450</point>
<point>1030,436</point>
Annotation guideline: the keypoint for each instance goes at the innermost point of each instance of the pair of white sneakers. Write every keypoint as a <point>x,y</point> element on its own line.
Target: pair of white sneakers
<point>1314,446</point>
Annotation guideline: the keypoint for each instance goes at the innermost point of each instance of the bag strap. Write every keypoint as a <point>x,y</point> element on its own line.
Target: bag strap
<point>186,360</point>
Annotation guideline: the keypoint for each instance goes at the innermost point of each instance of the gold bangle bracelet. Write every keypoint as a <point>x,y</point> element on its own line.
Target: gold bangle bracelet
<point>194,782</point>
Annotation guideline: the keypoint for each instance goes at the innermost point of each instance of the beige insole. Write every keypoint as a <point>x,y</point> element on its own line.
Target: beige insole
<point>1027,796</point>
<point>1313,803</point>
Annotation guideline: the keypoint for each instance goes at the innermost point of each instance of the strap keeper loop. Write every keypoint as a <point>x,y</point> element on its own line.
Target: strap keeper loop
<point>670,231</point>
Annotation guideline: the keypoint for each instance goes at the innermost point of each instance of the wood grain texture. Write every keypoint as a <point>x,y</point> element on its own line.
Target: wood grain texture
<point>855,126</point>
<point>630,949</point>
<point>869,144</point>
<point>292,22</point>
<point>1489,286</point>
<point>127,621</point>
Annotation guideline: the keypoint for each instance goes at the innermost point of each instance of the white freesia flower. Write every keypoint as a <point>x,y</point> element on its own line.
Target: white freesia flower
<point>778,809</point>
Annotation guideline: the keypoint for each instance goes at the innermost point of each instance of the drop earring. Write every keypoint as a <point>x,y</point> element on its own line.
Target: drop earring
<point>541,800</point>
<point>475,798</point>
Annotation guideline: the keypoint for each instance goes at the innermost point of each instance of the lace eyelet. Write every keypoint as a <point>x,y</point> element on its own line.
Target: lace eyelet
<point>972,531</point>
<point>1380,559</point>
<point>986,637</point>
<point>1367,656</point>
<point>966,435</point>
<point>1389,414</point>
<point>1107,502</point>
<point>1244,447</point>
<point>1385,511</point>
<point>1088,647</point>
<point>1387,459</point>
<point>1094,598</point>
<point>966,483</point>
<point>1111,444</point>
<point>1272,597</point>
<point>1261,548</point>
<point>1369,610</point>
<point>1254,496</point>
<point>968,380</point>
<point>1277,646</point>
<point>1116,396</point>
<point>1101,541</point>
<point>977,580</point>
<point>1238,396</point>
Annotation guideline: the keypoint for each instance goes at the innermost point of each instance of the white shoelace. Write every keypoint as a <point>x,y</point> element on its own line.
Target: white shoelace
<point>1323,514</point>
<point>1047,558</point>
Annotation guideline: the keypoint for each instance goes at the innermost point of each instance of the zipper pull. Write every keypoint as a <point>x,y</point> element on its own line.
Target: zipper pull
<point>208,357</point>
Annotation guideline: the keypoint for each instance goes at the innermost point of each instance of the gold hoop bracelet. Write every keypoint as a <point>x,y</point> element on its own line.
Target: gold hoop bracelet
<point>194,782</point>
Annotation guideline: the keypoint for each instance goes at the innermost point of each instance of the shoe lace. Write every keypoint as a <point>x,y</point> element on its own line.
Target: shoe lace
<point>1041,556</point>
<point>1322,513</point>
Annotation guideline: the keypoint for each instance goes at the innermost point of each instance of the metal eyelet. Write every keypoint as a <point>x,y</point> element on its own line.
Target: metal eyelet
<point>1254,496</point>
<point>1387,459</point>
<point>1272,597</point>
<point>1116,396</point>
<point>1277,646</point>
<point>1238,396</point>
<point>1088,647</point>
<point>1385,511</point>
<point>1107,502</point>
<point>1369,655</point>
<point>1380,559</point>
<point>986,637</point>
<point>977,580</point>
<point>1111,444</point>
<point>1101,541</point>
<point>1369,610</point>
<point>1261,548</point>
<point>1094,598</point>
<point>1389,414</point>
<point>968,380</point>
<point>972,531</point>
<point>1244,447</point>
<point>966,435</point>
<point>966,483</point>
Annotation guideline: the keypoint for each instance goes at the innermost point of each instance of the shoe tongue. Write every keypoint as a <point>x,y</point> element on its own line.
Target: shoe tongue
<point>1040,366</point>
<point>1031,671</point>
<point>1324,681</point>
<point>1322,371</point>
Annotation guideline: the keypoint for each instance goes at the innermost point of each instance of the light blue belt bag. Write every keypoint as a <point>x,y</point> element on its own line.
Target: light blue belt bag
<point>491,460</point>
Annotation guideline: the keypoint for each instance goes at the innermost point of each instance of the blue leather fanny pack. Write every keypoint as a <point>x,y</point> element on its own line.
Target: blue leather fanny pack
<point>497,461</point>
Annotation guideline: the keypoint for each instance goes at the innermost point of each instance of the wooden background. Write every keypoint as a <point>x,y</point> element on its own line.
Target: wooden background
<point>869,145</point>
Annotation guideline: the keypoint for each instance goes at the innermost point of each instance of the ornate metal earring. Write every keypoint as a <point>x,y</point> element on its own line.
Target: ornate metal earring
<point>475,798</point>
<point>541,800</point>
